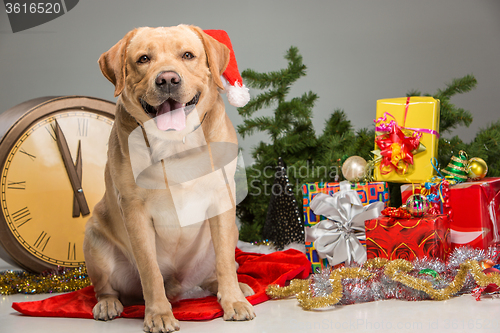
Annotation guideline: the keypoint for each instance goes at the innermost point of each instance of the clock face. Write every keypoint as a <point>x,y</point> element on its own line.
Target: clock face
<point>43,209</point>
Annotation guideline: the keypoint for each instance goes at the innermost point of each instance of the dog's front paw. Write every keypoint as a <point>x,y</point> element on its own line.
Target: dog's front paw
<point>164,322</point>
<point>107,308</point>
<point>237,309</point>
<point>246,290</point>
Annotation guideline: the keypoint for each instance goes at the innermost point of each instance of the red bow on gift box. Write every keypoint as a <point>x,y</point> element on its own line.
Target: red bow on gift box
<point>400,213</point>
<point>397,149</point>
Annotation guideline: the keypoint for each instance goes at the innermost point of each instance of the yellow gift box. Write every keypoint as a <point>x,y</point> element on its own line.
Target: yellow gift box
<point>413,115</point>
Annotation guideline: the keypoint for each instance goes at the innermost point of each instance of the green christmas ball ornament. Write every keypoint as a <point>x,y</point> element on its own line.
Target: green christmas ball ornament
<point>429,271</point>
<point>457,168</point>
<point>477,168</point>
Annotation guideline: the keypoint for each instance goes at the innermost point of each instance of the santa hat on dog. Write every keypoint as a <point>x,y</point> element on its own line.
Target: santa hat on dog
<point>237,93</point>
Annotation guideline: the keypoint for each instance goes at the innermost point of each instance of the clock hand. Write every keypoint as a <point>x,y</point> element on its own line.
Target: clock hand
<point>71,171</point>
<point>78,167</point>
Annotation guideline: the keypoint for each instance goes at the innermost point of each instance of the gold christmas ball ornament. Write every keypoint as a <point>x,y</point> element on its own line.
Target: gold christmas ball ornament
<point>477,168</point>
<point>417,205</point>
<point>354,168</point>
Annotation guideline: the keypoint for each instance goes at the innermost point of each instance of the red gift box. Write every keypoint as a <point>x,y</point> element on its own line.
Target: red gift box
<point>394,238</point>
<point>475,212</point>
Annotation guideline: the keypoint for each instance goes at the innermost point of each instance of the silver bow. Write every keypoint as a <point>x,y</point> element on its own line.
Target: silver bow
<point>337,238</point>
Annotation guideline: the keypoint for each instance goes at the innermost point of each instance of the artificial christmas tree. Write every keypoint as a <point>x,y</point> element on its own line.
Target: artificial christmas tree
<point>310,158</point>
<point>313,157</point>
<point>283,224</point>
<point>485,145</point>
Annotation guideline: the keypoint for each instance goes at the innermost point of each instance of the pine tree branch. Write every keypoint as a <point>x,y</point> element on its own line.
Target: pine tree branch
<point>284,77</point>
<point>277,79</point>
<point>337,123</point>
<point>263,124</point>
<point>457,86</point>
<point>413,92</point>
<point>263,100</point>
<point>450,116</point>
<point>486,145</point>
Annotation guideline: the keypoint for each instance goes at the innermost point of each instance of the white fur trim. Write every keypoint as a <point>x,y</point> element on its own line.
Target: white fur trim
<point>237,95</point>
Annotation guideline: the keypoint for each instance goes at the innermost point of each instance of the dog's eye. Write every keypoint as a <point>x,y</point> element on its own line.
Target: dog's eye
<point>143,59</point>
<point>188,56</point>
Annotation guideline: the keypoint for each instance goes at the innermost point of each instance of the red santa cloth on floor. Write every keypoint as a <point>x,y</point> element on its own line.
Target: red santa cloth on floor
<point>256,270</point>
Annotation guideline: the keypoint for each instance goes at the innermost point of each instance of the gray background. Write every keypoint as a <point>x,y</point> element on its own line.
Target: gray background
<point>356,51</point>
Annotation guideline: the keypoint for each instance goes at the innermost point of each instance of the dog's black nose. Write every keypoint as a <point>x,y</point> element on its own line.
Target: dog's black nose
<point>168,80</point>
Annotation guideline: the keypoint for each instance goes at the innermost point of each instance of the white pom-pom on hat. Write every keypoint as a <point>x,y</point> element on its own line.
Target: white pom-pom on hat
<point>237,94</point>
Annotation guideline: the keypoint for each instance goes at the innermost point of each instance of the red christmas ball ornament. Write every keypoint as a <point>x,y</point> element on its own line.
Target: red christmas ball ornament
<point>491,288</point>
<point>486,263</point>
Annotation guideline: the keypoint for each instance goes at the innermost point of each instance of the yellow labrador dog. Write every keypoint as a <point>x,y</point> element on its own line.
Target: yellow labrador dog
<point>135,247</point>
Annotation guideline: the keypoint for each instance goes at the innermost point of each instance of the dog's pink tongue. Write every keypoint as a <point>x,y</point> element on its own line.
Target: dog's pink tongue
<point>171,119</point>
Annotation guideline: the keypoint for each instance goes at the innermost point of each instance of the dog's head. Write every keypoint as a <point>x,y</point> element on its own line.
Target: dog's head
<point>164,73</point>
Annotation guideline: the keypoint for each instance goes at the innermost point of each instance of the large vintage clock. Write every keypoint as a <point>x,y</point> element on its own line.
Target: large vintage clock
<point>53,151</point>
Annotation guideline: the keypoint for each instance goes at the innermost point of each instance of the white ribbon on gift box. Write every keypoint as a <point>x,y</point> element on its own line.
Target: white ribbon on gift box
<point>337,238</point>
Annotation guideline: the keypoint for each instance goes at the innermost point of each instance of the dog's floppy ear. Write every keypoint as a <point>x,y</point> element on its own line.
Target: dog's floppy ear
<point>217,55</point>
<point>113,65</point>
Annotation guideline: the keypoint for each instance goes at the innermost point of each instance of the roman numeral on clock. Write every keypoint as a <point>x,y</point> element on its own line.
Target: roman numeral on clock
<point>16,185</point>
<point>83,126</point>
<point>32,157</point>
<point>41,241</point>
<point>51,128</point>
<point>71,251</point>
<point>21,217</point>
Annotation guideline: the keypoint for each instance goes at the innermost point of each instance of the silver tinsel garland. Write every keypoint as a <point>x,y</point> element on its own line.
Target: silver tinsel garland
<point>380,286</point>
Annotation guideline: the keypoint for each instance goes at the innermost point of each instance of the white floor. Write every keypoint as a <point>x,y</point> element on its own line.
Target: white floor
<point>461,314</point>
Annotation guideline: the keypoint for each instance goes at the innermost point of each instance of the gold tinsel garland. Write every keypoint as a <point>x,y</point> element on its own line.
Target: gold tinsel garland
<point>57,281</point>
<point>396,270</point>
<point>64,280</point>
